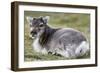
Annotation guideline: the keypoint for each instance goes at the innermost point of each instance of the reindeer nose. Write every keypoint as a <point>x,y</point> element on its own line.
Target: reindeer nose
<point>33,33</point>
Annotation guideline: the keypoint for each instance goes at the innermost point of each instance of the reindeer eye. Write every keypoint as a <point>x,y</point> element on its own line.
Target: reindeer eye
<point>41,25</point>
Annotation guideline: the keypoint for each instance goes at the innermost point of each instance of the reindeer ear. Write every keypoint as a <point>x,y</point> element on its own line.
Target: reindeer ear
<point>29,20</point>
<point>46,18</point>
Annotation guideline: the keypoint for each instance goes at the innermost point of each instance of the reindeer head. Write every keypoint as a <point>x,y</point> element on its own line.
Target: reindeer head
<point>37,25</point>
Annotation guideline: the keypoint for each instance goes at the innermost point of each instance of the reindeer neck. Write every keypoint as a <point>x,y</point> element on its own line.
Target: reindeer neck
<point>46,36</point>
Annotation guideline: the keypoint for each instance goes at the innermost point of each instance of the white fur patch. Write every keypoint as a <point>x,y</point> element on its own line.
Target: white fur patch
<point>38,48</point>
<point>63,53</point>
<point>44,51</point>
<point>82,49</point>
<point>36,45</point>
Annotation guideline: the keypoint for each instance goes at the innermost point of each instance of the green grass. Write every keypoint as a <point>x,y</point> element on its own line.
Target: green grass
<point>67,20</point>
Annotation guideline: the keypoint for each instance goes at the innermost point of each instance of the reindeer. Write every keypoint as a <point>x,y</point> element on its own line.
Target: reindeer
<point>66,42</point>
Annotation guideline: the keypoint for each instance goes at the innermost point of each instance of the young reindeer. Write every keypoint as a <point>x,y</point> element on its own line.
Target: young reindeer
<point>66,42</point>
